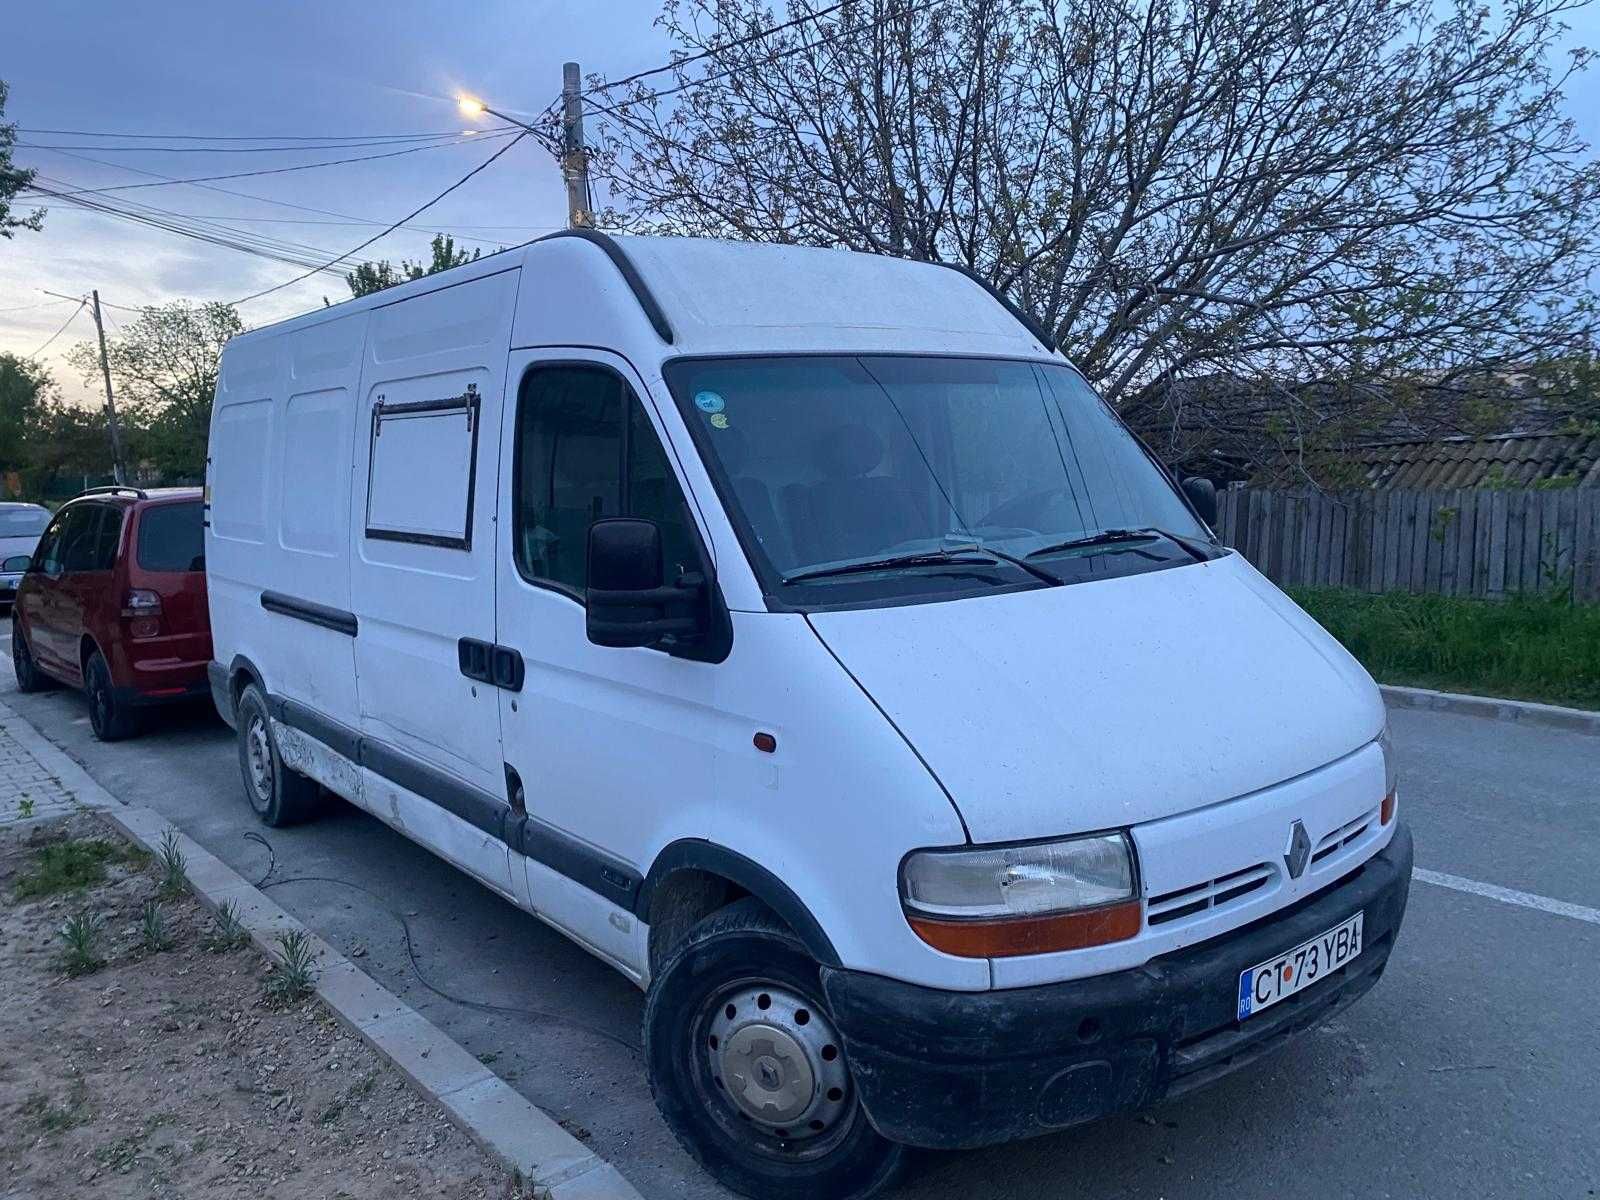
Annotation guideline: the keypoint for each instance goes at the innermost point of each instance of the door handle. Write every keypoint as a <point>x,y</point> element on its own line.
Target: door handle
<point>486,662</point>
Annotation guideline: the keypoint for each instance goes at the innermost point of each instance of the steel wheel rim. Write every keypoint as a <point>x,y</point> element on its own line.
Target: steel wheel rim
<point>775,1069</point>
<point>258,758</point>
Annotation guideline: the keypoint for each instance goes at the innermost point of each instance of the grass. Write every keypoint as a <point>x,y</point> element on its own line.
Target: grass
<point>80,942</point>
<point>54,1118</point>
<point>293,974</point>
<point>229,933</point>
<point>68,866</point>
<point>154,934</point>
<point>173,867</point>
<point>1524,647</point>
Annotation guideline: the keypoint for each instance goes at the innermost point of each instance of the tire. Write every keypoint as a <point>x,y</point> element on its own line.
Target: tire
<point>111,719</point>
<point>745,1065</point>
<point>29,677</point>
<point>278,795</point>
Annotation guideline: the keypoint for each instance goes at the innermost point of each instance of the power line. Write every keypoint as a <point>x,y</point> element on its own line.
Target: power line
<point>209,187</point>
<point>868,27</point>
<point>201,235</point>
<point>243,137</point>
<point>413,213</point>
<point>60,331</point>
<point>40,304</point>
<point>434,137</point>
<point>725,46</point>
<point>332,162</point>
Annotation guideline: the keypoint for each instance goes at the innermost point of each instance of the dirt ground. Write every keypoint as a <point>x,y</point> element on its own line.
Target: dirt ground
<point>169,1074</point>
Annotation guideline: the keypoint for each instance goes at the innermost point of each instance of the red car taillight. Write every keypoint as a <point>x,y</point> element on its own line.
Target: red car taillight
<point>143,610</point>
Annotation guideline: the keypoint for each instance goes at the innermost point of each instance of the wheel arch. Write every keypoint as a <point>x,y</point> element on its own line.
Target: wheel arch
<point>689,870</point>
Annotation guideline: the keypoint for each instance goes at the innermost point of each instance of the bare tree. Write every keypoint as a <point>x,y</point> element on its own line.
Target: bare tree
<point>1284,192</point>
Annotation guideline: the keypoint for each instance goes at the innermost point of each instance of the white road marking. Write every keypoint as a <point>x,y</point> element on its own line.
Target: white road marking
<point>1560,908</point>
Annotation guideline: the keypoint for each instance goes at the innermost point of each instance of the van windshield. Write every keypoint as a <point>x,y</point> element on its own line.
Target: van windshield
<point>826,462</point>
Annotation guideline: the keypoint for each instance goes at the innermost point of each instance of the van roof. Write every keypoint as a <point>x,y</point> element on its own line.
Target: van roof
<point>704,296</point>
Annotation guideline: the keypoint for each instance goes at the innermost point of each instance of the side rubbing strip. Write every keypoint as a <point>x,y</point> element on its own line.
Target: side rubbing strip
<point>630,274</point>
<point>604,874</point>
<point>336,619</point>
<point>596,870</point>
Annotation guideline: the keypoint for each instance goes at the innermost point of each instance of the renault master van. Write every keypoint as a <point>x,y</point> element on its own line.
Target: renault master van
<point>798,632</point>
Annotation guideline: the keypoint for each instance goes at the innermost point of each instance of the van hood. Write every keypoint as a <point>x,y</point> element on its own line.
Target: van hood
<point>1096,705</point>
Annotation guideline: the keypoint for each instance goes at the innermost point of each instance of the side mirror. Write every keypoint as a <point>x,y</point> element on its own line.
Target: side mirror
<point>1202,494</point>
<point>17,562</point>
<point>629,601</point>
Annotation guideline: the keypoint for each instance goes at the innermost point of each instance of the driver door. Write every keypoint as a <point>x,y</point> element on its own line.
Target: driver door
<point>609,745</point>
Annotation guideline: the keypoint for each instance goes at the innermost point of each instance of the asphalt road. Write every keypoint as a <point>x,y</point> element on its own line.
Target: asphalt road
<point>1471,1070</point>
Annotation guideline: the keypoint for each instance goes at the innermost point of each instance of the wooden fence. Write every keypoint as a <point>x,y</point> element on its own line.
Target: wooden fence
<point>1480,542</point>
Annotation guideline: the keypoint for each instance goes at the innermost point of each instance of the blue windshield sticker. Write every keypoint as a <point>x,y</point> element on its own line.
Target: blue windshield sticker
<point>709,402</point>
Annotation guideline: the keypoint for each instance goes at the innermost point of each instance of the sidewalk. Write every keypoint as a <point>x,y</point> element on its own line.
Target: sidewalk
<point>39,781</point>
<point>27,790</point>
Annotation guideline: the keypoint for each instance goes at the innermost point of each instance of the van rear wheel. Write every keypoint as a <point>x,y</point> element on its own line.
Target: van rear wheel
<point>748,1071</point>
<point>278,795</point>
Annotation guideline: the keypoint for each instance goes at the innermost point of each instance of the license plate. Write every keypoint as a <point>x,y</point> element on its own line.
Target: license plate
<point>1265,984</point>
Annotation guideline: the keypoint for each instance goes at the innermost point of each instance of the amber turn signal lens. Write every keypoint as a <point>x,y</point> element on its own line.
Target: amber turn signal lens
<point>1030,935</point>
<point>1386,810</point>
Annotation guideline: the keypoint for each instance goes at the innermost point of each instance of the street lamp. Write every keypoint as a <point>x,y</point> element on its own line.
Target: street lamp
<point>574,156</point>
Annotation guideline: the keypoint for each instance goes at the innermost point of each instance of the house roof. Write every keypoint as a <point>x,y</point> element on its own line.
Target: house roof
<point>1506,460</point>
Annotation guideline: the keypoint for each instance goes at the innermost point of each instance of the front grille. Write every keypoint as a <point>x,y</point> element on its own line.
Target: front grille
<point>1343,835</point>
<point>1207,895</point>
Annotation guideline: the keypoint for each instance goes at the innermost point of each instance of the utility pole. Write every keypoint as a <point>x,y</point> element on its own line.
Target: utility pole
<point>118,472</point>
<point>574,155</point>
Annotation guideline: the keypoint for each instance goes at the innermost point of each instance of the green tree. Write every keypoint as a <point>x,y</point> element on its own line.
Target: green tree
<point>25,387</point>
<point>12,178</point>
<point>164,374</point>
<point>372,277</point>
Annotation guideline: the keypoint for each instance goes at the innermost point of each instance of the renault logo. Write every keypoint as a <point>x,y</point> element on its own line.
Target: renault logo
<point>1299,850</point>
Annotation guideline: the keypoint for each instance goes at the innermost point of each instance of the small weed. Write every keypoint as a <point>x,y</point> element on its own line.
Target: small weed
<point>229,933</point>
<point>488,1056</point>
<point>331,1114</point>
<point>25,807</point>
<point>81,937</point>
<point>68,866</point>
<point>154,936</point>
<point>294,974</point>
<point>364,1087</point>
<point>54,1118</point>
<point>121,1154</point>
<point>173,866</point>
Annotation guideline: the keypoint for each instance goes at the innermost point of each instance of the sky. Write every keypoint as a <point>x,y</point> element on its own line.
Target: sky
<point>275,68</point>
<point>286,67</point>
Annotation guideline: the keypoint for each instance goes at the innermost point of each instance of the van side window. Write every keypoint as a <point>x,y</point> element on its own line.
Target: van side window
<point>586,450</point>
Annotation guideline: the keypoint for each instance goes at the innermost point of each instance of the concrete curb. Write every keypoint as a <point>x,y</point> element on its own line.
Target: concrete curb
<point>485,1107</point>
<point>1551,716</point>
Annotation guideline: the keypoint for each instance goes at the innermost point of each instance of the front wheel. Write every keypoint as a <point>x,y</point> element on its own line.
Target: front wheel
<point>111,718</point>
<point>748,1070</point>
<point>29,677</point>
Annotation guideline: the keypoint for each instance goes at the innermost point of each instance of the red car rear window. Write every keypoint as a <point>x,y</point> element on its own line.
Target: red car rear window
<point>172,538</point>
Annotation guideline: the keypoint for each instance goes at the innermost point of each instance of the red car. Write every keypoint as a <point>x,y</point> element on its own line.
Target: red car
<point>114,602</point>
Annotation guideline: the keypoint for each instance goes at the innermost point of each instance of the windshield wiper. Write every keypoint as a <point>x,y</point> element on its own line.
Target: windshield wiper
<point>1144,533</point>
<point>970,553</point>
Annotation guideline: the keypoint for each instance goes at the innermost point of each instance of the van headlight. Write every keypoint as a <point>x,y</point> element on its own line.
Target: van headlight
<point>1035,898</point>
<point>1391,775</point>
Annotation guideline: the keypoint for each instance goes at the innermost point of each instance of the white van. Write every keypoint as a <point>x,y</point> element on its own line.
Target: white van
<point>800,634</point>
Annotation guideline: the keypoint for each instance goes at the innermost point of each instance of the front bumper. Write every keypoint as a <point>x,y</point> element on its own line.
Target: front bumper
<point>955,1070</point>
